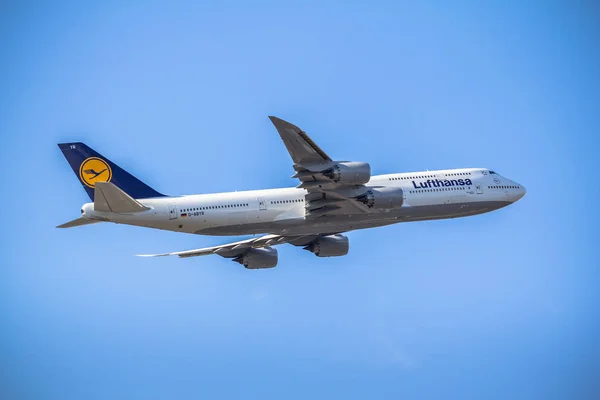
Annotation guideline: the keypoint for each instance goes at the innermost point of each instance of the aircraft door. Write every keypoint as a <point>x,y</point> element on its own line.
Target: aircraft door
<point>172,212</point>
<point>262,204</point>
<point>478,188</point>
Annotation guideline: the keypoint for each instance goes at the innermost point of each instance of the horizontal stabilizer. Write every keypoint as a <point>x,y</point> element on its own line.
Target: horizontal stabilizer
<point>109,198</point>
<point>78,222</point>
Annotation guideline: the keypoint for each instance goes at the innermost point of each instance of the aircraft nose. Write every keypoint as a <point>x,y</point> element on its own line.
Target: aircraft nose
<point>521,192</point>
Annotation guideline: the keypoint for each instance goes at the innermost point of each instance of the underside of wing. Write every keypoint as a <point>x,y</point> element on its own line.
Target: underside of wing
<point>258,253</point>
<point>232,250</point>
<point>225,250</point>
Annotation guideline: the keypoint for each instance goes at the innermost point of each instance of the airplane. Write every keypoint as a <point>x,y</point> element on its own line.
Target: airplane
<point>332,198</point>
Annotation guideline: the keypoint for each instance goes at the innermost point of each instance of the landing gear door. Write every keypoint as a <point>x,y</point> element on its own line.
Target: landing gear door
<point>172,212</point>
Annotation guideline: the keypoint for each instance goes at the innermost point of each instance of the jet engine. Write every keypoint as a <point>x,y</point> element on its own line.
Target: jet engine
<point>382,198</point>
<point>329,246</point>
<point>349,172</point>
<point>259,258</point>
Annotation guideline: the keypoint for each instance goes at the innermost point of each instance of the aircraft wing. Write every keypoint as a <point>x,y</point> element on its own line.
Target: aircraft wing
<point>329,193</point>
<point>300,146</point>
<point>231,250</point>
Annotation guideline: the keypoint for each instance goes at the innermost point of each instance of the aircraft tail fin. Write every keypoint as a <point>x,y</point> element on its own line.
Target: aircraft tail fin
<point>78,222</point>
<point>109,198</point>
<point>91,168</point>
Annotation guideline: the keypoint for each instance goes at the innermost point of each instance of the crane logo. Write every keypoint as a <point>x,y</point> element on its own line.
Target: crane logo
<point>94,170</point>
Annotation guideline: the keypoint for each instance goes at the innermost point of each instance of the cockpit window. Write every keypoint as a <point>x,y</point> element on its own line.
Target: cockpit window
<point>492,172</point>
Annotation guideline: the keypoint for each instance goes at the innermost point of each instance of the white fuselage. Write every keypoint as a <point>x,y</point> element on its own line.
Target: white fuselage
<point>427,195</point>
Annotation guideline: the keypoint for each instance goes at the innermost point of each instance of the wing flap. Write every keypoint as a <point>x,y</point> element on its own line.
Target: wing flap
<point>325,197</point>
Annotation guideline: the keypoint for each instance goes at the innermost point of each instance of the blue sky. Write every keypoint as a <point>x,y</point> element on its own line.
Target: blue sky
<point>502,305</point>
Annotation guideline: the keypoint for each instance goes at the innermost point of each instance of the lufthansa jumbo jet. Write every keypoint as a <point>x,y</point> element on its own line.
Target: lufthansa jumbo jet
<point>333,197</point>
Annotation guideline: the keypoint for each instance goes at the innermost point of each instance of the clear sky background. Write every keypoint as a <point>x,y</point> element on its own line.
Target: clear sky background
<point>501,305</point>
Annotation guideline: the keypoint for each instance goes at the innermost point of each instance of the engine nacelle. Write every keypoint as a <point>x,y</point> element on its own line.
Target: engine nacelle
<point>329,246</point>
<point>265,257</point>
<point>382,198</point>
<point>349,172</point>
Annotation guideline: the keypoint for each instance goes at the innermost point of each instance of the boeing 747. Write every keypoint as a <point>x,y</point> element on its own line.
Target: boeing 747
<point>332,198</point>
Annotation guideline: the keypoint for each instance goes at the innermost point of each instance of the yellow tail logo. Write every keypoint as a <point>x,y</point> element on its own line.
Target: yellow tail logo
<point>94,170</point>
